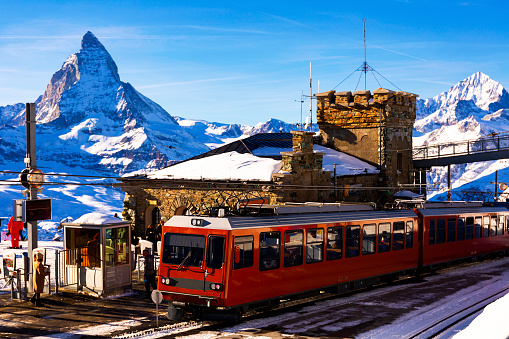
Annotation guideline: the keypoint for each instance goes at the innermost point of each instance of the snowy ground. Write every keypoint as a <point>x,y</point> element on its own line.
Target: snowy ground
<point>490,324</point>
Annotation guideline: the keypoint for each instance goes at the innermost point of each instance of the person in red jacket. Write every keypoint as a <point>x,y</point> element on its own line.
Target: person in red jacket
<point>15,228</point>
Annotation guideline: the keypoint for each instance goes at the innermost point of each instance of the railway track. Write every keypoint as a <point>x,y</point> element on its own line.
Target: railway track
<point>450,322</point>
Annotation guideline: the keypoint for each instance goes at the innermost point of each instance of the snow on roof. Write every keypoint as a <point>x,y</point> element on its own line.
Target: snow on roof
<point>245,166</point>
<point>345,164</point>
<point>230,165</point>
<point>97,219</point>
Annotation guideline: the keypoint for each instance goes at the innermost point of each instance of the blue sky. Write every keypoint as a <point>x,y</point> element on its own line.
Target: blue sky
<point>237,62</point>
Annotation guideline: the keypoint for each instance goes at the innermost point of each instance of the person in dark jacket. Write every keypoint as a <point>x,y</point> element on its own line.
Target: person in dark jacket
<point>39,274</point>
<point>149,273</point>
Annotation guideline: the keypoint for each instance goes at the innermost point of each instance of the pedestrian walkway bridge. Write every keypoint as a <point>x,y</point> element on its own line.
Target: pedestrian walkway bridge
<point>492,147</point>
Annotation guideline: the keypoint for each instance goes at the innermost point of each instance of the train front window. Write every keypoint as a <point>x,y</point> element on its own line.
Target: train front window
<point>215,251</point>
<point>183,249</point>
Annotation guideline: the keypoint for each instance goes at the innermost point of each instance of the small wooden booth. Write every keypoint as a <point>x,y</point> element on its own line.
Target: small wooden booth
<point>98,254</point>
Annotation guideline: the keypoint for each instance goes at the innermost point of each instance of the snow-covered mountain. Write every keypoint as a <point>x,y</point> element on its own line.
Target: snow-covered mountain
<point>87,113</point>
<point>475,107</point>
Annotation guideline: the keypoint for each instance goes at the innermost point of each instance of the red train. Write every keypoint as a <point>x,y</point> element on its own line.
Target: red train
<point>232,264</point>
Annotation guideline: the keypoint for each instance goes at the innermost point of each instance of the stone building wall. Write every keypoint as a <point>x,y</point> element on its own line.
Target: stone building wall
<point>376,127</point>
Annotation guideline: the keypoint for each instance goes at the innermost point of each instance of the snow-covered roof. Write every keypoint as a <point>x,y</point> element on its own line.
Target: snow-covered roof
<point>225,166</point>
<point>97,219</point>
<point>246,166</point>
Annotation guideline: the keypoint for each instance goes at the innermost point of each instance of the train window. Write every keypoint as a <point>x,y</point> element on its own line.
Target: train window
<point>183,249</point>
<point>470,228</point>
<point>478,227</point>
<point>270,251</point>
<point>334,243</point>
<point>409,234</point>
<point>294,242</point>
<point>501,225</point>
<point>451,230</point>
<point>461,229</point>
<point>493,226</point>
<point>440,231</point>
<point>432,232</point>
<point>384,237</point>
<point>398,238</point>
<point>486,227</point>
<point>352,241</point>
<point>314,245</point>
<point>368,239</point>
<point>245,254</point>
<point>215,251</point>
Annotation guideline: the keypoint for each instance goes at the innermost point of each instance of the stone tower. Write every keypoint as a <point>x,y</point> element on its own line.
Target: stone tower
<point>373,127</point>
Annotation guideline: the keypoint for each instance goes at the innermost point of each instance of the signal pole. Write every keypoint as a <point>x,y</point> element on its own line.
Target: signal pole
<point>31,163</point>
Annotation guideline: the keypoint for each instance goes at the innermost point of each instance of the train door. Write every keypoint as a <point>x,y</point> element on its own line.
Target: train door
<point>215,263</point>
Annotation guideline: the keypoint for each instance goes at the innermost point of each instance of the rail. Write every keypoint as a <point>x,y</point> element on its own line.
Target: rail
<point>492,143</point>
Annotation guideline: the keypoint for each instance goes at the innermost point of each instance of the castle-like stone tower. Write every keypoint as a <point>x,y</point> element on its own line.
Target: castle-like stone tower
<point>374,127</point>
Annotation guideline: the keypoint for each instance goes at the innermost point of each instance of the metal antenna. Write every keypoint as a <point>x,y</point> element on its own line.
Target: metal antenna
<point>365,62</point>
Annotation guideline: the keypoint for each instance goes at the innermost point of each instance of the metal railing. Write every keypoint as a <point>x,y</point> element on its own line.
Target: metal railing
<point>467,147</point>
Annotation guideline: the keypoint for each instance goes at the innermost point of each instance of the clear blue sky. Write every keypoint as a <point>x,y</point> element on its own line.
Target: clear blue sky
<point>247,62</point>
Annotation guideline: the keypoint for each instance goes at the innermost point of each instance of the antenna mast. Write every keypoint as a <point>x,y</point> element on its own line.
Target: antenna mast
<point>310,100</point>
<point>365,68</point>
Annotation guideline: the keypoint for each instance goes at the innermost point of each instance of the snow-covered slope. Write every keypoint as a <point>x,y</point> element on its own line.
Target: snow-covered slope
<point>475,107</point>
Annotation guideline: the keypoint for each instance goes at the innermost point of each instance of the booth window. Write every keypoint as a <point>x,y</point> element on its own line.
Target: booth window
<point>116,246</point>
<point>87,242</point>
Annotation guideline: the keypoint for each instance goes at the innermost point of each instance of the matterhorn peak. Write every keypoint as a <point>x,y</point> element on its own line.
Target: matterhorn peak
<point>90,41</point>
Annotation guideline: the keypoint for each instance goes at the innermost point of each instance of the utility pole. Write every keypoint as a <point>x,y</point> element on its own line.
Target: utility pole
<point>31,163</point>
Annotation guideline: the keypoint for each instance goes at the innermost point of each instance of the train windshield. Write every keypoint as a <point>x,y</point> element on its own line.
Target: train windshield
<point>183,249</point>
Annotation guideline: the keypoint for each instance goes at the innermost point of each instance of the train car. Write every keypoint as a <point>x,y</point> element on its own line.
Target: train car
<point>236,263</point>
<point>450,234</point>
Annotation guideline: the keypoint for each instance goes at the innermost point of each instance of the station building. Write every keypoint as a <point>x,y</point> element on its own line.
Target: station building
<point>363,153</point>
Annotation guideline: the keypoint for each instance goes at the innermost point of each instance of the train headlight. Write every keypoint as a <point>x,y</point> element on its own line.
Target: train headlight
<point>215,286</point>
<point>165,281</point>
